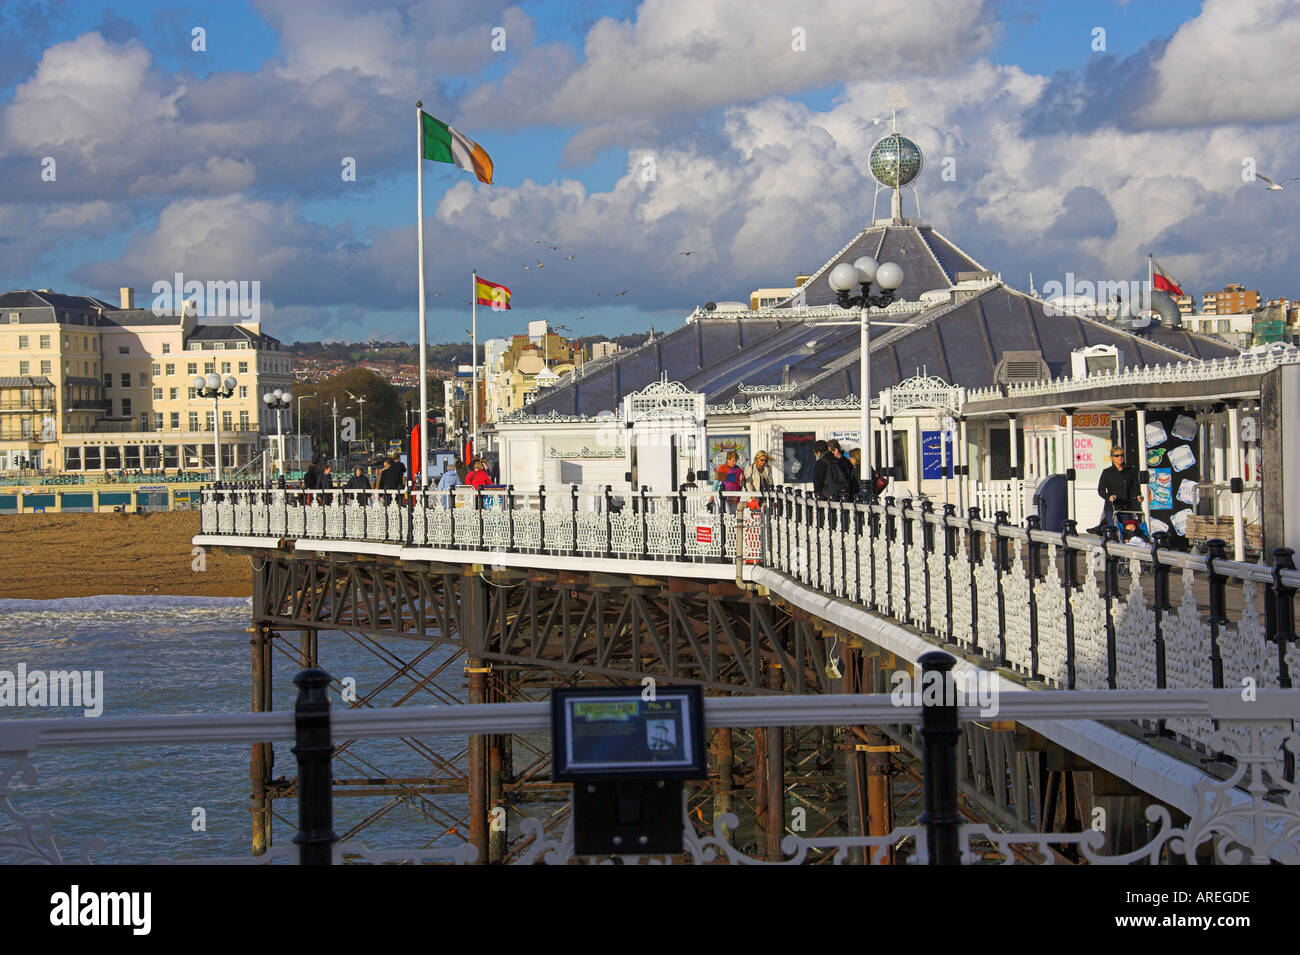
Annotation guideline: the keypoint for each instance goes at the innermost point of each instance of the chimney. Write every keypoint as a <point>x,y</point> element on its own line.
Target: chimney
<point>128,296</point>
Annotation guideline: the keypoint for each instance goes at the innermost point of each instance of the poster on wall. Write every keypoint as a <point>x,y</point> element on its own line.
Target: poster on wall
<point>932,454</point>
<point>1173,471</point>
<point>720,444</point>
<point>848,439</point>
<point>797,458</point>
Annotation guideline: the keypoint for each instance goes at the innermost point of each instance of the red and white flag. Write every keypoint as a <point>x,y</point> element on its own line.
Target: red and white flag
<point>1163,280</point>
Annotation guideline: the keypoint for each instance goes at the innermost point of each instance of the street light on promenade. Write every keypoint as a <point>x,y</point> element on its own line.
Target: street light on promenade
<point>888,277</point>
<point>278,401</point>
<point>215,388</point>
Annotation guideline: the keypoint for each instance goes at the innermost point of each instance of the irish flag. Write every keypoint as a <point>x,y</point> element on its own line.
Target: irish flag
<point>1163,280</point>
<point>444,144</point>
<point>490,294</point>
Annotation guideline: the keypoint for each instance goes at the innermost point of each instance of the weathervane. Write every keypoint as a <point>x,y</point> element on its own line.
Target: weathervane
<point>896,162</point>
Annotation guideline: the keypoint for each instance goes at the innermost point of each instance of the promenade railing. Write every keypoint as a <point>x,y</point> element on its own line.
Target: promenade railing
<point>1059,608</point>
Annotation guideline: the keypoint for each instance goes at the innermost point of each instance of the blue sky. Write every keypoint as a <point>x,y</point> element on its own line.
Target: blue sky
<point>224,163</point>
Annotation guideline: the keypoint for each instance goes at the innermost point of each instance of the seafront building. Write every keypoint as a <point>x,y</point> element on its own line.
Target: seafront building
<point>87,387</point>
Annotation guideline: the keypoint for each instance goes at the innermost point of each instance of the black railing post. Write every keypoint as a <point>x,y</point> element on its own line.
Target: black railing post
<point>681,518</point>
<point>939,734</point>
<point>1110,535</point>
<point>478,506</point>
<point>927,548</point>
<point>949,552</point>
<point>315,752</point>
<point>1001,563</point>
<point>1280,620</point>
<point>645,524</point>
<point>573,500</point>
<point>1160,601</point>
<point>907,540</point>
<point>891,530</point>
<point>541,518</point>
<point>609,520</point>
<point>1070,581</point>
<point>1216,550</point>
<point>974,547</point>
<point>1034,573</point>
<point>510,517</point>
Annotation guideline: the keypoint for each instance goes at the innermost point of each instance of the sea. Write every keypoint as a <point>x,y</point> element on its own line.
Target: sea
<point>169,655</point>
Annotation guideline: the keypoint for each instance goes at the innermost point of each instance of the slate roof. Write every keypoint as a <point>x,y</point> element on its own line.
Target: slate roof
<point>962,342</point>
<point>218,333</point>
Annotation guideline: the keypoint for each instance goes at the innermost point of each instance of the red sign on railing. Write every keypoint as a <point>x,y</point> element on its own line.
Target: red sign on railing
<point>703,534</point>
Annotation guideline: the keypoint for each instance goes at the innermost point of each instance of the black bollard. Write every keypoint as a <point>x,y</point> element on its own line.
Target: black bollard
<point>939,734</point>
<point>315,751</point>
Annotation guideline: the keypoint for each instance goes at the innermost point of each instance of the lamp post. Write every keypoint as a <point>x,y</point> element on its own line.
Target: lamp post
<point>888,277</point>
<point>278,401</point>
<point>361,403</point>
<point>297,451</point>
<point>212,386</point>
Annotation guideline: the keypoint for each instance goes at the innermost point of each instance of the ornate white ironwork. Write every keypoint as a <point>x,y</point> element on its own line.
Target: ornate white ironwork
<point>1250,364</point>
<point>586,452</point>
<point>922,391</point>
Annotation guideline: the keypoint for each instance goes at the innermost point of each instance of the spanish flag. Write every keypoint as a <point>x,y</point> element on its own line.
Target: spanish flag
<point>491,294</point>
<point>441,143</point>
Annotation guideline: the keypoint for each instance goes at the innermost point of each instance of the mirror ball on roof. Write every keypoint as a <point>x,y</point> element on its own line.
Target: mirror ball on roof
<point>886,160</point>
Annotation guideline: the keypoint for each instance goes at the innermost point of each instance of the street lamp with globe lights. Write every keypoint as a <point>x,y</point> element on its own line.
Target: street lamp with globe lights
<point>215,387</point>
<point>277,401</point>
<point>888,277</point>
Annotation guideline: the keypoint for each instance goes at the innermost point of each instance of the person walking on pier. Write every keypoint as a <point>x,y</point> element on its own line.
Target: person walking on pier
<point>450,479</point>
<point>358,481</point>
<point>479,477</point>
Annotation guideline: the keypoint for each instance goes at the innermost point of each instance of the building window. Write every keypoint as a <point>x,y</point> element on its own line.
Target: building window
<point>243,391</point>
<point>171,370</point>
<point>243,367</point>
<point>209,421</point>
<point>167,350</point>
<point>157,370</point>
<point>126,379</point>
<point>108,380</point>
<point>47,368</point>
<point>227,421</point>
<point>225,367</point>
<point>126,407</point>
<point>157,420</point>
<point>192,393</point>
<point>124,349</point>
<point>157,394</point>
<point>170,457</point>
<point>132,456</point>
<point>24,368</point>
<point>13,318</point>
<point>144,379</point>
<point>92,458</point>
<point>112,458</point>
<point>45,341</point>
<point>243,421</point>
<point>24,341</point>
<point>209,367</point>
<point>175,420</point>
<point>173,393</point>
<point>72,459</point>
<point>192,368</point>
<point>194,421</point>
<point>218,346</point>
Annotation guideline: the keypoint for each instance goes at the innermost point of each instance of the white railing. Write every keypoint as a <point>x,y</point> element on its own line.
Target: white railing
<point>1205,370</point>
<point>994,496</point>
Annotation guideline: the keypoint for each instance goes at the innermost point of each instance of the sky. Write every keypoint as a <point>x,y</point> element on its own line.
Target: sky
<point>213,139</point>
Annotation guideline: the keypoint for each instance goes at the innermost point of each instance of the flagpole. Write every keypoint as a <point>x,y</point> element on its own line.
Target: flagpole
<point>473,360</point>
<point>424,350</point>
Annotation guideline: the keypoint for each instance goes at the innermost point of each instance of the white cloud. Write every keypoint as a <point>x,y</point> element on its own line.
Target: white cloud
<point>1234,63</point>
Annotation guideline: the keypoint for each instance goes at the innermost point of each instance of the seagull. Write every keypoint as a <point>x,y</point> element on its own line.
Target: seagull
<point>580,318</point>
<point>539,241</point>
<point>569,258</point>
<point>528,268</point>
<point>1275,186</point>
<point>624,292</point>
<point>539,264</point>
<point>554,248</point>
<point>686,252</point>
